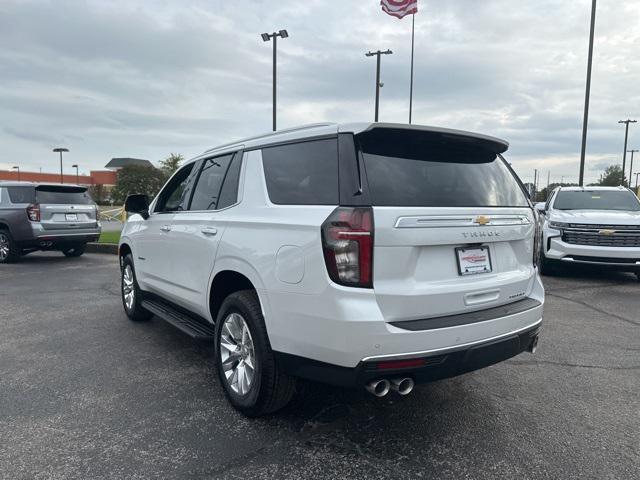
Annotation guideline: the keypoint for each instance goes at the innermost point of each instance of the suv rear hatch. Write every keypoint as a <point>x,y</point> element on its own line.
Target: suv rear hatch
<point>65,207</point>
<point>454,230</point>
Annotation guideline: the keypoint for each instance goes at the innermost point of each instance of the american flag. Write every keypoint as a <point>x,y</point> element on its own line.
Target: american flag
<point>399,8</point>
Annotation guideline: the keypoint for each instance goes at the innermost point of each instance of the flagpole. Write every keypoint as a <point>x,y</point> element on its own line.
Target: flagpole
<point>413,28</point>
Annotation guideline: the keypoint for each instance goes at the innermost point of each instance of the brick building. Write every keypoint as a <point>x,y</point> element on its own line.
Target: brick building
<point>107,178</point>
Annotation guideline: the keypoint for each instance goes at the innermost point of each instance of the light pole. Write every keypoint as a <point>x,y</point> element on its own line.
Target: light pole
<point>16,167</point>
<point>76,167</point>
<point>585,119</point>
<point>266,37</point>
<point>60,150</point>
<point>631,167</point>
<point>626,136</point>
<point>377,54</point>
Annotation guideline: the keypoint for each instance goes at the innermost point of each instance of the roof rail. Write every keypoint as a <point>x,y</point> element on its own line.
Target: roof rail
<point>271,134</point>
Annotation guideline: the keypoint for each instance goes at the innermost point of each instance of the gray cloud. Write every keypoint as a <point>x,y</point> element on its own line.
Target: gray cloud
<point>143,78</point>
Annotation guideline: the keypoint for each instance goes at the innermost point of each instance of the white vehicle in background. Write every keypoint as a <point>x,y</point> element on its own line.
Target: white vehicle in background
<point>361,255</point>
<point>590,225</point>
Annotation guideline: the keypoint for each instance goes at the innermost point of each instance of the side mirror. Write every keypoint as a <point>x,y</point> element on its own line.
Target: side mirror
<point>137,203</point>
<point>541,207</point>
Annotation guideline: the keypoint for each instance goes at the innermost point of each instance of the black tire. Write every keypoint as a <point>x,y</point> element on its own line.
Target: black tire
<point>270,389</point>
<point>75,250</point>
<point>135,311</point>
<point>9,252</point>
<point>546,267</point>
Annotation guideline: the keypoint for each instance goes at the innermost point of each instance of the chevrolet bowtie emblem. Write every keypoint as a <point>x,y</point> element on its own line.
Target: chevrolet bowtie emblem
<point>606,232</point>
<point>482,220</point>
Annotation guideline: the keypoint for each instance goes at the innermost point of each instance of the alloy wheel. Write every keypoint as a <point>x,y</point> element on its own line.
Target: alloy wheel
<point>128,288</point>
<point>4,246</point>
<point>237,354</point>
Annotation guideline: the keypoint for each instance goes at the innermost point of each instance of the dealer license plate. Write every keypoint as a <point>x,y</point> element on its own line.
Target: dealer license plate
<point>472,260</point>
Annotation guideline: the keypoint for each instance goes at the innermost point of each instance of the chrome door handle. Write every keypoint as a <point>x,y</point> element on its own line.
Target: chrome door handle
<point>165,228</point>
<point>209,231</point>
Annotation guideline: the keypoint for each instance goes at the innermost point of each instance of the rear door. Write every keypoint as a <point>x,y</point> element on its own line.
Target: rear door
<point>65,208</point>
<point>196,232</point>
<point>453,228</point>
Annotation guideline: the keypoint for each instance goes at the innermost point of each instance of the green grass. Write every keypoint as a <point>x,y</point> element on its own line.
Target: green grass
<point>109,237</point>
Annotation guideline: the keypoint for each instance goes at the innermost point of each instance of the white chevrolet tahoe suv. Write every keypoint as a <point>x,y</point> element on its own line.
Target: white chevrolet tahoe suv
<point>590,225</point>
<point>361,255</point>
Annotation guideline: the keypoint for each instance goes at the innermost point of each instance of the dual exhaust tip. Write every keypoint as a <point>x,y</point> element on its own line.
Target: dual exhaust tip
<point>380,387</point>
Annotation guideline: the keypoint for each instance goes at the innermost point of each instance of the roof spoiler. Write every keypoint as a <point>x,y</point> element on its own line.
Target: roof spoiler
<point>490,144</point>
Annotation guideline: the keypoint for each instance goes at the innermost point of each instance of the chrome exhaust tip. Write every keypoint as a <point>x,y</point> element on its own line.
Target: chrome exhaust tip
<point>379,388</point>
<point>403,386</point>
<point>533,346</point>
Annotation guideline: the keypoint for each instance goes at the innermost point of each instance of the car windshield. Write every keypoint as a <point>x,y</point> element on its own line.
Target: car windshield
<point>424,169</point>
<point>54,195</point>
<point>596,200</point>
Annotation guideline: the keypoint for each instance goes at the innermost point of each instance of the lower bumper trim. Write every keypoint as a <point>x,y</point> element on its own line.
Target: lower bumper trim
<point>436,366</point>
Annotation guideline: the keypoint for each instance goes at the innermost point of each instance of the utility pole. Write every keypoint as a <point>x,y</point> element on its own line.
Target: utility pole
<point>60,150</point>
<point>266,37</point>
<point>631,168</point>
<point>626,136</point>
<point>377,54</point>
<point>585,119</point>
<point>548,181</point>
<point>535,184</point>
<point>637,174</point>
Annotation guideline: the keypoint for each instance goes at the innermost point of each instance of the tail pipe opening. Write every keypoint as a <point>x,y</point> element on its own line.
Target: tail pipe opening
<point>403,386</point>
<point>379,388</point>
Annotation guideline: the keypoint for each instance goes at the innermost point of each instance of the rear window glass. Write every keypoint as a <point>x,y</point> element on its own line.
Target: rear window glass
<point>62,196</point>
<point>302,173</point>
<point>21,194</point>
<point>596,200</point>
<point>424,169</point>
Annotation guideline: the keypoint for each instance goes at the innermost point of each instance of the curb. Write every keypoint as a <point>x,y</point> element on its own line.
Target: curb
<point>108,248</point>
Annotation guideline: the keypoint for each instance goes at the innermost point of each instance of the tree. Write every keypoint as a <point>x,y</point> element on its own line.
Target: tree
<point>170,164</point>
<point>137,179</point>
<point>612,177</point>
<point>98,192</point>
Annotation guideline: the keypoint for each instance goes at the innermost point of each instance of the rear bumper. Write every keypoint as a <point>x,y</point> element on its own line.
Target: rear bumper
<point>423,367</point>
<point>345,326</point>
<point>59,240</point>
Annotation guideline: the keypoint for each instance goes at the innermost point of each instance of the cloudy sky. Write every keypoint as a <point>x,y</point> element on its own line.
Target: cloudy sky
<point>146,78</point>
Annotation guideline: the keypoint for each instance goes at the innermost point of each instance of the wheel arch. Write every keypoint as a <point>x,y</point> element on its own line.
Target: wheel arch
<point>123,250</point>
<point>232,275</point>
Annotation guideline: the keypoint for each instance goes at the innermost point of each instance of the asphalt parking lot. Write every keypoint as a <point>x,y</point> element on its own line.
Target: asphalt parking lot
<point>84,393</point>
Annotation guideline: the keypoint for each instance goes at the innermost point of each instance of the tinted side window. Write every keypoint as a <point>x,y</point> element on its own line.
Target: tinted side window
<point>174,196</point>
<point>229,192</point>
<point>22,194</point>
<point>302,173</point>
<point>207,189</point>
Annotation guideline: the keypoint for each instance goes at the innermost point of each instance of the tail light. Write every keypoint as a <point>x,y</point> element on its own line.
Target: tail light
<point>537,234</point>
<point>347,242</point>
<point>33,212</point>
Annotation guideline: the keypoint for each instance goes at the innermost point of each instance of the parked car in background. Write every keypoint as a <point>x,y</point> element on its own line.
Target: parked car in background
<point>361,255</point>
<point>590,225</point>
<point>45,217</point>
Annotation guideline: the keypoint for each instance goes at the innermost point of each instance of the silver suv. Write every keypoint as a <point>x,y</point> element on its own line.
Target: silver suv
<point>45,217</point>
